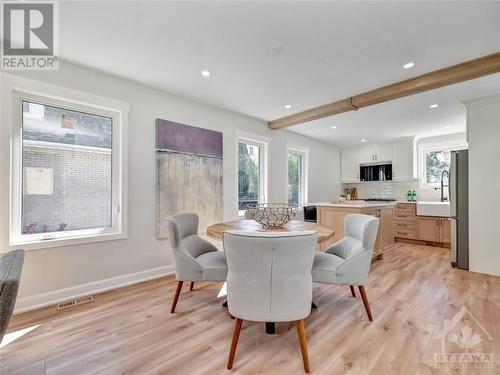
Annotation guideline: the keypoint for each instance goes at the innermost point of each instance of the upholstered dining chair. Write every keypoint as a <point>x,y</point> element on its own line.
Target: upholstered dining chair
<point>195,259</point>
<point>269,280</point>
<point>347,261</point>
<point>11,265</point>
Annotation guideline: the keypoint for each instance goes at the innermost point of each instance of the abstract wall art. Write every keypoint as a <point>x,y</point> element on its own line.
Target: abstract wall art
<point>189,173</point>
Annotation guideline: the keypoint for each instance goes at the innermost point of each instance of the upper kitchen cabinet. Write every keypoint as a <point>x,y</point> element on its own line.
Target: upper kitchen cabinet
<point>399,154</point>
<point>383,153</point>
<point>349,165</point>
<point>367,154</point>
<point>375,154</point>
<point>402,161</point>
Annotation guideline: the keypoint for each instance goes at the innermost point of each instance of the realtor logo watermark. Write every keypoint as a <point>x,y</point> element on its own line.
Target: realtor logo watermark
<point>464,343</point>
<point>30,36</point>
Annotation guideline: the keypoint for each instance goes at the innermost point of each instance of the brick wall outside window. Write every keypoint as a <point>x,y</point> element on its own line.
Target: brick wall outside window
<point>81,190</point>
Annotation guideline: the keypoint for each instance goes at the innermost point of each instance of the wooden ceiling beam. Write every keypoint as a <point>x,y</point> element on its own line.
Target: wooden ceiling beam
<point>465,71</point>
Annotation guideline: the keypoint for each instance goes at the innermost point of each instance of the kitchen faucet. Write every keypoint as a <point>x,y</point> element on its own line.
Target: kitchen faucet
<point>443,198</point>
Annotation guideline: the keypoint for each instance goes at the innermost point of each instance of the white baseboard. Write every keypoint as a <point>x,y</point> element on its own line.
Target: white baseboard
<point>51,298</point>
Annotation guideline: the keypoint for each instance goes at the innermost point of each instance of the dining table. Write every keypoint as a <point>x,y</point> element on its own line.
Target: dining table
<point>325,234</point>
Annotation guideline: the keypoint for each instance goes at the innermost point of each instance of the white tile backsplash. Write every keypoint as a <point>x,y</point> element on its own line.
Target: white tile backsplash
<point>394,190</point>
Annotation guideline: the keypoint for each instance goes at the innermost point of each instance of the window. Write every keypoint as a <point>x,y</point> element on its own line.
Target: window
<point>434,159</point>
<point>435,163</point>
<point>297,181</point>
<point>67,171</point>
<point>252,184</point>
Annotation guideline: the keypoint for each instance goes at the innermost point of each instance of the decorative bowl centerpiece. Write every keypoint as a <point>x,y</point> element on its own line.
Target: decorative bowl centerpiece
<point>271,215</point>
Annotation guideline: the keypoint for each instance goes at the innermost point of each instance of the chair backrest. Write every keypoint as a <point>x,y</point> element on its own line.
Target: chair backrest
<point>360,234</point>
<point>187,245</point>
<point>269,274</point>
<point>181,226</point>
<point>183,235</point>
<point>11,266</point>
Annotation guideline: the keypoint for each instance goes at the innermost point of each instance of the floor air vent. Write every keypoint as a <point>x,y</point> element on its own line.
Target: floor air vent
<point>75,302</point>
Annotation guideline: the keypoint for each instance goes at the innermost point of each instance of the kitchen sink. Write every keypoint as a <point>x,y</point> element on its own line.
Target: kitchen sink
<point>441,209</point>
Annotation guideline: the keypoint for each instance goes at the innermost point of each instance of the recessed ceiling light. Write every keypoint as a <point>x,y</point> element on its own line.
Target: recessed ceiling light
<point>409,65</point>
<point>447,127</point>
<point>434,106</point>
<point>333,127</point>
<point>363,140</point>
<point>288,106</point>
<point>205,73</point>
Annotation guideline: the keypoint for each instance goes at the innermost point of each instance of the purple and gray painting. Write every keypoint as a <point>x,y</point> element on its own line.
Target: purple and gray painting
<point>189,173</point>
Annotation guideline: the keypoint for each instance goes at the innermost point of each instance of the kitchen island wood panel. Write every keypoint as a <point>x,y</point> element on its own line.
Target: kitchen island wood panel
<point>333,215</point>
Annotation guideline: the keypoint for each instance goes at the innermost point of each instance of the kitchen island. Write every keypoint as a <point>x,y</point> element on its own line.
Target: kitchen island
<point>332,214</point>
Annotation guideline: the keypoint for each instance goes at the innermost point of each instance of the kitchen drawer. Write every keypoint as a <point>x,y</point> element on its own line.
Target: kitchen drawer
<point>404,218</point>
<point>409,213</point>
<point>404,226</point>
<point>406,208</point>
<point>404,233</point>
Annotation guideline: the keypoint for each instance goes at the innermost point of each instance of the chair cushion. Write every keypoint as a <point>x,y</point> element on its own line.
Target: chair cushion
<point>214,266</point>
<point>325,268</point>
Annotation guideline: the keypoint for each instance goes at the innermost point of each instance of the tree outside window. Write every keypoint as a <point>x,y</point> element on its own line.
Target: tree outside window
<point>435,163</point>
<point>248,175</point>
<point>294,177</point>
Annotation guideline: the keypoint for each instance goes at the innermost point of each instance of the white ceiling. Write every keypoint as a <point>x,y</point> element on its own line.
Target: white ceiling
<point>409,116</point>
<point>326,51</point>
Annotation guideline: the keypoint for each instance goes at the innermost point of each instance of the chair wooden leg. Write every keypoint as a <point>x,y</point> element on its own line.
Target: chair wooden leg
<point>352,291</point>
<point>191,286</point>
<point>365,302</point>
<point>303,344</point>
<point>176,296</point>
<point>234,342</point>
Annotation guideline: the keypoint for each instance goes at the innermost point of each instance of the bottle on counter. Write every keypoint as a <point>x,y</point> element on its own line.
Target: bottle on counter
<point>413,196</point>
<point>408,196</point>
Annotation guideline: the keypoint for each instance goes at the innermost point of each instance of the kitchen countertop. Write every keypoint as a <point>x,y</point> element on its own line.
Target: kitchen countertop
<point>353,204</point>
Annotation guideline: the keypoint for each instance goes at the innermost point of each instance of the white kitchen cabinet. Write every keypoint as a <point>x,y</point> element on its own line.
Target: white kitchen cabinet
<point>402,161</point>
<point>367,155</point>
<point>400,154</point>
<point>383,153</point>
<point>349,165</point>
<point>375,154</point>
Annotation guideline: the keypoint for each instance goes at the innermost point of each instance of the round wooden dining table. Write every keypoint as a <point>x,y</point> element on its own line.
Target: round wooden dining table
<point>216,231</point>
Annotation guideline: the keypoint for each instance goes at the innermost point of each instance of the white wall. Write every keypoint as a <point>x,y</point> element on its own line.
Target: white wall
<point>58,273</point>
<point>483,129</point>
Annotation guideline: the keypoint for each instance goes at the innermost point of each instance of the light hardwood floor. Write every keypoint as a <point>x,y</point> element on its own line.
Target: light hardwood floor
<point>130,330</point>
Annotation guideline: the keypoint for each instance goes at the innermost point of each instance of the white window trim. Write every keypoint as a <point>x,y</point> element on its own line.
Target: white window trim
<point>264,143</point>
<point>304,173</point>
<point>72,101</point>
<point>424,149</point>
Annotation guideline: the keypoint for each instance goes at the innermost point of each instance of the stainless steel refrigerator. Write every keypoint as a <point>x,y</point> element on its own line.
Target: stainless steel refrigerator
<point>459,208</point>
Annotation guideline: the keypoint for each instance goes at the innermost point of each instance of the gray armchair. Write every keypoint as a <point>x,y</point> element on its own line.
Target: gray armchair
<point>269,280</point>
<point>11,265</point>
<point>195,259</point>
<point>347,262</point>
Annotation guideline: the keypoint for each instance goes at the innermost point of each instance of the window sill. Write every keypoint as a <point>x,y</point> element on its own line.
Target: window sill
<point>68,241</point>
